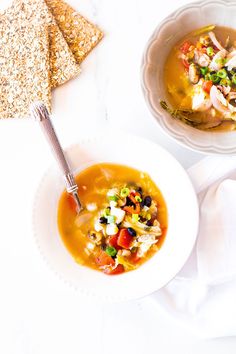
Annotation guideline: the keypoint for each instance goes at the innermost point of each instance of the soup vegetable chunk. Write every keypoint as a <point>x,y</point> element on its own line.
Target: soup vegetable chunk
<point>123,223</point>
<point>200,77</point>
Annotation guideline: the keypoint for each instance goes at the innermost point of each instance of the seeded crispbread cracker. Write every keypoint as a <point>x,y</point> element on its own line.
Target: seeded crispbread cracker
<point>34,55</point>
<point>80,34</point>
<point>63,65</point>
<point>23,79</point>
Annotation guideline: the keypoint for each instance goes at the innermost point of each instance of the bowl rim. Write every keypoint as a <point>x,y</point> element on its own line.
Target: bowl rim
<point>83,291</point>
<point>158,116</point>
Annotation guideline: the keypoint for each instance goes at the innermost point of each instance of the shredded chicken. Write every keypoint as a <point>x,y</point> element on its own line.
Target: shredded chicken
<point>215,41</point>
<point>201,100</point>
<point>220,102</point>
<point>142,228</point>
<point>217,61</point>
<point>204,60</point>
<point>231,63</point>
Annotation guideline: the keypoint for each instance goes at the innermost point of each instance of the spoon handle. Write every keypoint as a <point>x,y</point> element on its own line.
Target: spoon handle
<point>40,113</point>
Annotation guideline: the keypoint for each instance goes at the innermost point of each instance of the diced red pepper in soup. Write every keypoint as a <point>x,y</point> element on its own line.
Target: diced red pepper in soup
<point>207,86</point>
<point>185,47</point>
<point>136,208</point>
<point>103,259</point>
<point>112,241</point>
<point>124,239</point>
<point>134,258</point>
<point>133,210</point>
<point>185,63</point>
<point>113,271</point>
<point>133,195</point>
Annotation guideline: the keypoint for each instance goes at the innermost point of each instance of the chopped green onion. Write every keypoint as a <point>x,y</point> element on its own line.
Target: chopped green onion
<point>124,192</point>
<point>135,217</point>
<point>222,73</point>
<point>137,197</point>
<point>221,61</point>
<point>203,30</point>
<point>234,79</point>
<point>106,212</point>
<point>204,70</point>
<point>226,81</point>
<point>208,77</point>
<point>113,198</point>
<point>111,251</point>
<point>215,79</point>
<point>210,51</point>
<point>111,219</point>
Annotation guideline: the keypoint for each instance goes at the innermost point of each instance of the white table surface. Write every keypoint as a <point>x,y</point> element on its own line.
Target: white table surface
<point>38,313</point>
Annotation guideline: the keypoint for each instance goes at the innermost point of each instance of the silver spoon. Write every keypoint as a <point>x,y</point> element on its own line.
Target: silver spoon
<point>40,113</point>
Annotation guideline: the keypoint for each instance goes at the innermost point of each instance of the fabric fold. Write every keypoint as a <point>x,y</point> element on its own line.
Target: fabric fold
<point>202,296</point>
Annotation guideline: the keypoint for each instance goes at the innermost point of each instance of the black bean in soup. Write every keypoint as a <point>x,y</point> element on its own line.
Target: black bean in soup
<point>131,231</point>
<point>147,201</point>
<point>103,220</point>
<point>149,223</point>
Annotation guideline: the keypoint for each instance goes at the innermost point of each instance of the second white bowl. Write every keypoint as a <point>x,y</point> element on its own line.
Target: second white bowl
<point>170,31</point>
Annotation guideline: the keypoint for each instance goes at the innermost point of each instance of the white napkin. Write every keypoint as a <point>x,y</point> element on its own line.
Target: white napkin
<point>203,295</point>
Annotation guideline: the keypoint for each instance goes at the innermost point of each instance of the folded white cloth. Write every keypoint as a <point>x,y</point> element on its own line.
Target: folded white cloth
<point>203,295</point>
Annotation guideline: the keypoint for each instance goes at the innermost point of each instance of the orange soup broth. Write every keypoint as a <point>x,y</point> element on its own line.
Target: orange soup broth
<point>94,182</point>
